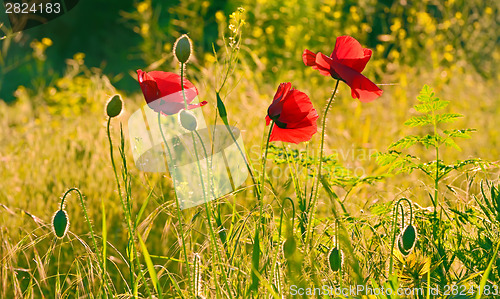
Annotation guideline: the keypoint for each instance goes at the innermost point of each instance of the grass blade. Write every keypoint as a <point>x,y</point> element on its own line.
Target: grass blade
<point>151,268</point>
<point>484,279</point>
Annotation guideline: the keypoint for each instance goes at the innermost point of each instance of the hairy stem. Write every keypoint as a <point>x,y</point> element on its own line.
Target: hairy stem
<point>312,206</point>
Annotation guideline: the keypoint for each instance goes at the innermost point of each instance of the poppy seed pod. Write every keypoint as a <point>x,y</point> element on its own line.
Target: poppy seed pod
<point>183,48</point>
<point>188,120</point>
<point>407,239</point>
<point>114,106</point>
<point>60,223</point>
<point>335,259</point>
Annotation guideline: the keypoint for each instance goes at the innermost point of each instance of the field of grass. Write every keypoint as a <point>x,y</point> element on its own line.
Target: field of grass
<point>270,238</point>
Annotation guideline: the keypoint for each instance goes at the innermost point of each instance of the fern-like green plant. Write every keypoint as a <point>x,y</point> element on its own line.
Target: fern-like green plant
<point>430,107</point>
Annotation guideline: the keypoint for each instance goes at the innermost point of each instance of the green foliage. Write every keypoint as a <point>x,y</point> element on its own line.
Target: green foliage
<point>429,106</point>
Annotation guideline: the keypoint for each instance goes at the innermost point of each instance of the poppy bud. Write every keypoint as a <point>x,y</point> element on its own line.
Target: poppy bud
<point>335,259</point>
<point>183,48</point>
<point>114,106</point>
<point>60,223</point>
<point>188,120</point>
<point>407,239</point>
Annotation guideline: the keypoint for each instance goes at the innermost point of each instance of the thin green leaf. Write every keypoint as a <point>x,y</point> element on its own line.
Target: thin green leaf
<point>451,143</point>
<point>405,142</point>
<point>104,238</point>
<point>419,121</point>
<point>484,279</point>
<point>222,109</point>
<point>447,117</point>
<point>255,261</point>
<point>151,268</point>
<point>463,133</point>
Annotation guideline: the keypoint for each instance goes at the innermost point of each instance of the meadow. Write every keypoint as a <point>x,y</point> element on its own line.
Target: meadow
<point>331,214</point>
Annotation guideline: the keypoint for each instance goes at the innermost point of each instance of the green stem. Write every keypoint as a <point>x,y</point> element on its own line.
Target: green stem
<point>124,207</point>
<point>209,219</point>
<point>182,86</point>
<point>92,235</point>
<point>207,206</point>
<point>179,215</point>
<point>261,207</point>
<point>394,225</point>
<point>436,179</point>
<point>312,207</point>
<point>264,159</point>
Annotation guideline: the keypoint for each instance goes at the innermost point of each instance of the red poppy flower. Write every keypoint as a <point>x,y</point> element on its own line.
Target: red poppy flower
<point>293,114</point>
<point>346,63</point>
<point>163,91</point>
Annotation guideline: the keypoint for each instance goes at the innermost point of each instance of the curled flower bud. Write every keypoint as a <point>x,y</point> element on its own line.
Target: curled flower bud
<point>188,120</point>
<point>60,223</point>
<point>183,48</point>
<point>114,106</point>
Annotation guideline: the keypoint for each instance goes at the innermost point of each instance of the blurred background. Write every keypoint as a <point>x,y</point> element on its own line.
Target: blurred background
<point>55,80</point>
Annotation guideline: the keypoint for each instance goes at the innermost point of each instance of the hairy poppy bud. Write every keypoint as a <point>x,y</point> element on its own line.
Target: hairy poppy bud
<point>60,223</point>
<point>114,106</point>
<point>188,120</point>
<point>183,48</point>
<point>407,239</point>
<point>335,259</point>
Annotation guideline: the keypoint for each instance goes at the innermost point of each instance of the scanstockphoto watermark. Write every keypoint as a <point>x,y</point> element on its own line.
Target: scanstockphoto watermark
<point>354,290</point>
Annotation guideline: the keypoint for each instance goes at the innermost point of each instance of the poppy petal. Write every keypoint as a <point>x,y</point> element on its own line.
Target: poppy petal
<point>309,58</point>
<point>268,120</point>
<point>201,104</point>
<point>163,91</point>
<point>357,64</point>
<point>292,136</point>
<point>349,52</point>
<point>361,87</point>
<point>169,108</point>
<point>297,107</point>
<point>277,106</point>
<point>170,83</point>
<point>148,85</point>
<point>323,65</point>
<point>308,121</point>
<point>347,47</point>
